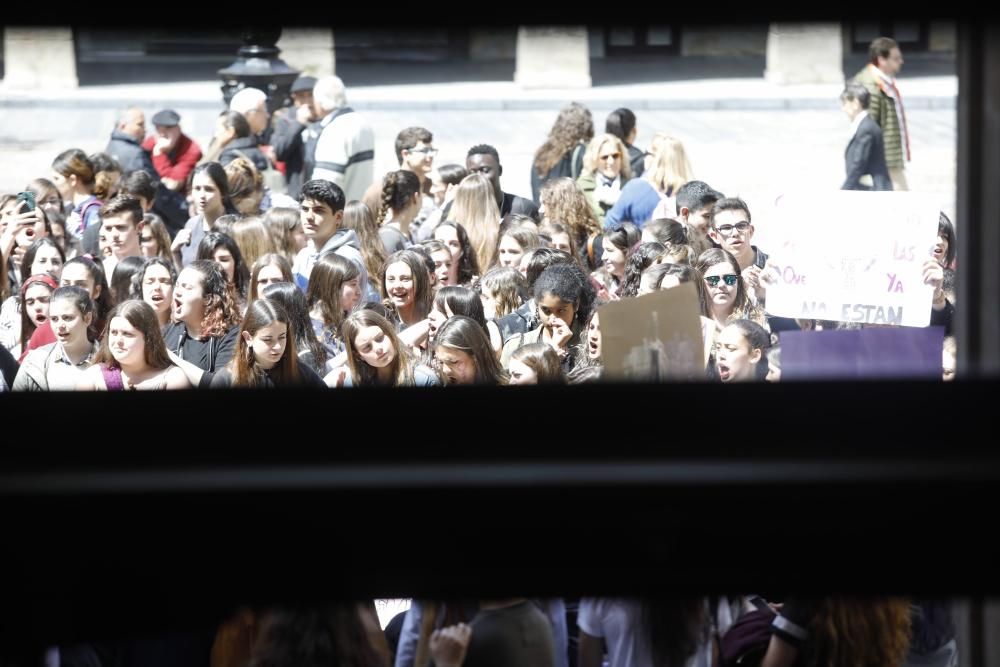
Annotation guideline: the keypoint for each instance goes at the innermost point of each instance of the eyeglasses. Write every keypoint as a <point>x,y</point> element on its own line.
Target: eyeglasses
<point>730,279</point>
<point>726,230</point>
<point>426,150</point>
<point>610,156</point>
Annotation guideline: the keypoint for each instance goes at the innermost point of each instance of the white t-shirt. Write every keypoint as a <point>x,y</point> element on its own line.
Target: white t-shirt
<point>617,621</point>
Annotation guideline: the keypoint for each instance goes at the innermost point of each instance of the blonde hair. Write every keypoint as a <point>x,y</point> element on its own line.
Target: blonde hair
<point>244,180</point>
<point>507,287</point>
<point>253,238</point>
<point>566,203</point>
<point>672,168</point>
<point>476,209</point>
<point>590,158</point>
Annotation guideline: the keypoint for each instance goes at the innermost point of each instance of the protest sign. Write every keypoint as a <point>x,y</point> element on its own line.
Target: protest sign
<point>653,337</point>
<point>853,257</point>
<point>884,352</point>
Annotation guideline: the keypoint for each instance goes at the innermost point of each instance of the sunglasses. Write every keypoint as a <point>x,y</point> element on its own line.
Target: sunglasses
<point>610,156</point>
<point>425,151</point>
<point>146,239</point>
<point>730,279</point>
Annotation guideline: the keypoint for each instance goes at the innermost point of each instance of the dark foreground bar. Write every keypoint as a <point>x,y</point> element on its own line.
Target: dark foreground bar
<point>184,505</point>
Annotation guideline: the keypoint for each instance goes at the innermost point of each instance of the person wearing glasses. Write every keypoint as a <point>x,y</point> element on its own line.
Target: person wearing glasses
<point>667,169</point>
<point>727,295</point>
<point>415,153</point>
<point>605,170</point>
<point>731,229</point>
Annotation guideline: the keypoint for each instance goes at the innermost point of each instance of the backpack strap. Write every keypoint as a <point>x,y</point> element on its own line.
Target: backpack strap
<point>86,209</point>
<point>112,378</point>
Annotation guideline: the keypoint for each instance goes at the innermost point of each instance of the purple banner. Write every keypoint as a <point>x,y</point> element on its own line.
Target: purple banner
<point>884,353</point>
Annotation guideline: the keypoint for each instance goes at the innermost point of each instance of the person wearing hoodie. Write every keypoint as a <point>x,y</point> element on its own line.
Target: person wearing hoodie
<point>322,211</point>
<point>126,144</point>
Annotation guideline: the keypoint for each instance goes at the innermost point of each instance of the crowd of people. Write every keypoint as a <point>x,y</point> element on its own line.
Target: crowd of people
<point>275,258</point>
<point>428,275</point>
<point>158,265</point>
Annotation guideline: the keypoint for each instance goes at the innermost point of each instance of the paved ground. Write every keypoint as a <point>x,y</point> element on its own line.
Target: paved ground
<point>743,135</point>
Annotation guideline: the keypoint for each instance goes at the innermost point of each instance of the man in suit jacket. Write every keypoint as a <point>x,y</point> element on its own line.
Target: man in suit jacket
<point>865,153</point>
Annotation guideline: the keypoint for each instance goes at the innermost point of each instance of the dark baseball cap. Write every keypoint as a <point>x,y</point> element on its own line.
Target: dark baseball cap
<point>303,83</point>
<point>167,118</point>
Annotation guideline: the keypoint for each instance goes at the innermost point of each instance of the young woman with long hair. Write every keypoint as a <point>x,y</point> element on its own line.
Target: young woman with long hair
<point>476,209</point>
<point>267,270</point>
<point>334,291</point>
<point>464,263</point>
<point>536,363</point>
<point>133,355</point>
<point>400,203</point>
<point>653,195</point>
<point>563,202</point>
<point>75,177</point>
<point>223,250</point>
<point>406,287</point>
<point>359,217</point>
<point>58,366</point>
<point>606,170</point>
<point>154,284</point>
<point>561,156</point>
<point>376,356</point>
<point>310,350</point>
<point>463,354</point>
<point>266,354</point>
<point>618,244</point>
<point>727,294</point>
<point>205,320</point>
<point>287,234</point>
<point>210,193</point>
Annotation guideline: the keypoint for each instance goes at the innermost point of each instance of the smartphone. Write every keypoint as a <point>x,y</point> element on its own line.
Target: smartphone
<point>28,198</point>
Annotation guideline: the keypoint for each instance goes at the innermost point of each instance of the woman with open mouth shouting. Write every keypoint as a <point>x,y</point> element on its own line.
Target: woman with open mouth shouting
<point>59,366</point>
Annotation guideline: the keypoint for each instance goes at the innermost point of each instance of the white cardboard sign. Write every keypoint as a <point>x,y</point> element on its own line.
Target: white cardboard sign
<point>853,256</point>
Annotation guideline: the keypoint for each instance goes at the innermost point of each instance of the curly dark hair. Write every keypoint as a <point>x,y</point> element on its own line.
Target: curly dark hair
<point>570,284</point>
<point>574,124</point>
<point>221,312</point>
<point>638,261</point>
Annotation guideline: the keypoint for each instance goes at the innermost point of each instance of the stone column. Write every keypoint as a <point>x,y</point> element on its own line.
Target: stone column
<point>308,49</point>
<point>39,58</point>
<point>552,57</point>
<point>804,53</point>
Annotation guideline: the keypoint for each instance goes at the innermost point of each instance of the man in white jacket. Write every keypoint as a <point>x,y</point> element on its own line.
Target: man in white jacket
<point>345,149</point>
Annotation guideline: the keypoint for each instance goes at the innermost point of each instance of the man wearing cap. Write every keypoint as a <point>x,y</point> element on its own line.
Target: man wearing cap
<point>174,153</point>
<point>289,136</point>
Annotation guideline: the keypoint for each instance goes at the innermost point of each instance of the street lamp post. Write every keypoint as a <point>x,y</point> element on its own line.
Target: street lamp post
<point>258,66</point>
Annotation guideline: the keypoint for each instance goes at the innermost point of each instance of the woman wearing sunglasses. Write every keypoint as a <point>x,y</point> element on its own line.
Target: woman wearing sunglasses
<point>727,295</point>
<point>606,169</point>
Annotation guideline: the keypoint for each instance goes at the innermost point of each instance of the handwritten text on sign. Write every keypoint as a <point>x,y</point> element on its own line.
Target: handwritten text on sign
<point>853,257</point>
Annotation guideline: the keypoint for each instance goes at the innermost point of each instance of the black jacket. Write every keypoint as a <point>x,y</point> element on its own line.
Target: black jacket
<point>247,146</point>
<point>130,155</point>
<point>569,166</point>
<point>290,148</point>
<point>865,154</point>
<point>637,159</point>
